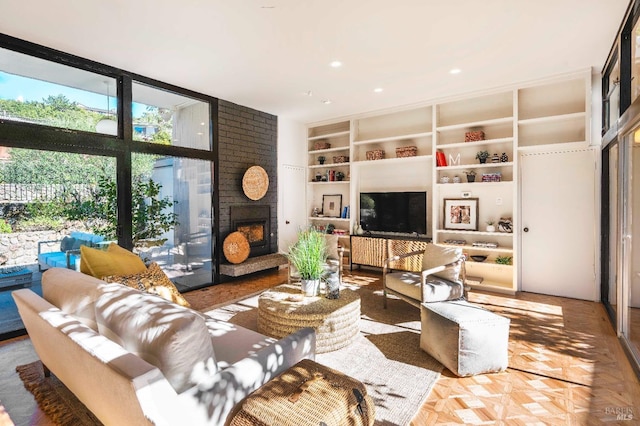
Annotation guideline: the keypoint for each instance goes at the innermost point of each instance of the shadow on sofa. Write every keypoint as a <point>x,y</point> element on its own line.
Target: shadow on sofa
<point>65,253</point>
<point>135,358</point>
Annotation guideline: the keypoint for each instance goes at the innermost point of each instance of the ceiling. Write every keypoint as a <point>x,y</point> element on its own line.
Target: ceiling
<point>274,55</point>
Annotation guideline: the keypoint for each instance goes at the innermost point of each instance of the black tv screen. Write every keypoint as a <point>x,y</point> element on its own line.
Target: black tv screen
<point>402,212</point>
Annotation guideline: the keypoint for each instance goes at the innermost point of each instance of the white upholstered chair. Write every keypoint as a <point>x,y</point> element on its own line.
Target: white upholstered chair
<point>440,276</point>
<point>335,252</point>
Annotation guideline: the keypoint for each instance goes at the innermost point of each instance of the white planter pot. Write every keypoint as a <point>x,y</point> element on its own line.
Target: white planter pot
<point>310,288</point>
<point>491,228</point>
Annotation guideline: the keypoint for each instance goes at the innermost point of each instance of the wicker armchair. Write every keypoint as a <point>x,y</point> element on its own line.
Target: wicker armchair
<point>439,277</point>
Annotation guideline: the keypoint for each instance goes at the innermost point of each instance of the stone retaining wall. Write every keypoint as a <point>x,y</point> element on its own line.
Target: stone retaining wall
<point>21,248</point>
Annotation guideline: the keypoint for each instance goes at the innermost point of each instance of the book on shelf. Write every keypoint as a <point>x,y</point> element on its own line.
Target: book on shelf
<point>441,160</point>
<point>345,212</point>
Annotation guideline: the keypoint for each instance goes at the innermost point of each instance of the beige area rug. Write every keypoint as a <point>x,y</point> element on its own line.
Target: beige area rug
<point>386,355</point>
<point>53,398</point>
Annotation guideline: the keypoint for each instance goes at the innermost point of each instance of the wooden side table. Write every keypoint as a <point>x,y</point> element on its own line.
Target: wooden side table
<point>283,310</point>
<point>307,394</point>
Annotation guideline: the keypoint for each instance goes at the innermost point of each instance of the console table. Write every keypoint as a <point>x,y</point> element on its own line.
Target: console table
<point>373,250</point>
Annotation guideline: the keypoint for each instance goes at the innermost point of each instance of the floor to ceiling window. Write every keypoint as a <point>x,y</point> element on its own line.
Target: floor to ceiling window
<point>620,215</point>
<point>156,196</point>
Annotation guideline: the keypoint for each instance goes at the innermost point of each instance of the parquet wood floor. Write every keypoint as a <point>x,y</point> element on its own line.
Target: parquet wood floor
<point>566,367</point>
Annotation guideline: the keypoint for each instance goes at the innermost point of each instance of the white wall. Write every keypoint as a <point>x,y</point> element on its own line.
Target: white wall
<point>292,151</point>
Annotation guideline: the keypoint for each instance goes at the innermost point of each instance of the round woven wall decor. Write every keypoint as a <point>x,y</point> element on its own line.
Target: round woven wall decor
<point>255,182</point>
<point>236,247</point>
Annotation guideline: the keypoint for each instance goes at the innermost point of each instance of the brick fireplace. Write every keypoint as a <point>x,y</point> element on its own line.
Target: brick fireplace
<point>254,221</point>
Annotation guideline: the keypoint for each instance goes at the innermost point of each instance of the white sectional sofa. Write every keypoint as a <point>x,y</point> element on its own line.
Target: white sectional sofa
<point>135,358</point>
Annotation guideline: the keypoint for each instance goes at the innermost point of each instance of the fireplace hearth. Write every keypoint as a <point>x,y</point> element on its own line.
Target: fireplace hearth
<point>254,222</point>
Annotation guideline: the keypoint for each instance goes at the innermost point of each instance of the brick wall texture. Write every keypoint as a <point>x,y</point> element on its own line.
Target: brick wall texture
<point>246,137</point>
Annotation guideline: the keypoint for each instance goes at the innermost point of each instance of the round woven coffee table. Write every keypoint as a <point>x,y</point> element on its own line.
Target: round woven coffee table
<point>283,310</point>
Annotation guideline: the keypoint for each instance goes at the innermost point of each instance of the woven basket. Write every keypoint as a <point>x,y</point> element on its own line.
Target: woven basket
<point>474,136</point>
<point>321,145</point>
<point>406,151</point>
<point>376,154</point>
<point>341,159</point>
<point>236,247</point>
<point>255,183</point>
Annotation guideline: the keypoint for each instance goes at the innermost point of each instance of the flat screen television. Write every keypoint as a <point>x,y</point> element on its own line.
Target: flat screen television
<point>397,212</point>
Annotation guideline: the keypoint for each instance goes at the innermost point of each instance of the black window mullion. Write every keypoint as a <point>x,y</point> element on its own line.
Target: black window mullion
<point>124,183</point>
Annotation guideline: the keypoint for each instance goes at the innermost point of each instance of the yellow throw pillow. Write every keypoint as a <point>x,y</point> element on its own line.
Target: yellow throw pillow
<point>100,263</point>
<point>153,281</point>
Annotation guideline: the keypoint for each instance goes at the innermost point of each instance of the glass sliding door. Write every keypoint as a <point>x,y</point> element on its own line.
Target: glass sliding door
<point>610,235</point>
<point>630,294</point>
<point>172,216</point>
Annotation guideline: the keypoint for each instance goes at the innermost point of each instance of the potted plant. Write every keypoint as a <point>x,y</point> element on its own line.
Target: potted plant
<point>482,156</point>
<point>504,260</point>
<point>308,256</point>
<point>471,175</point>
<point>321,159</point>
<point>339,176</point>
<point>490,226</point>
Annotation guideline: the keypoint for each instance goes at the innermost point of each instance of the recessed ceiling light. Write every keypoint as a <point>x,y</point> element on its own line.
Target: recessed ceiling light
<point>326,101</point>
<point>335,64</point>
<point>455,71</point>
<point>378,89</point>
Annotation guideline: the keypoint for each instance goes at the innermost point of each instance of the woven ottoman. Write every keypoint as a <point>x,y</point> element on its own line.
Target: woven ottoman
<point>307,394</point>
<point>465,338</point>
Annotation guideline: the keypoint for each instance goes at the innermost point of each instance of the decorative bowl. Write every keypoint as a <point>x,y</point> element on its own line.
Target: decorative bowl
<point>479,258</point>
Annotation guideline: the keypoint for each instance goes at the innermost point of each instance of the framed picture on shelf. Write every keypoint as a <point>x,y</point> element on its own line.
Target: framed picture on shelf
<point>461,214</point>
<point>332,205</point>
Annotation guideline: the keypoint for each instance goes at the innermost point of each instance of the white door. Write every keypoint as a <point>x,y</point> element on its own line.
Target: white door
<point>292,182</point>
<point>558,226</point>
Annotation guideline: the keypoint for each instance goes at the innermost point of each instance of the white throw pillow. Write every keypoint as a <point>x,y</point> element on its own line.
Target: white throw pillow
<point>332,246</point>
<point>435,255</point>
<point>173,338</point>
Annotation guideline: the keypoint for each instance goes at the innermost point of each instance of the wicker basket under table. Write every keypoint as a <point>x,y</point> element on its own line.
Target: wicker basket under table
<point>307,394</point>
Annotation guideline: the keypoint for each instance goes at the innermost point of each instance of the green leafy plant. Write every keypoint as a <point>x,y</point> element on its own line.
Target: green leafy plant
<point>152,215</point>
<point>482,155</point>
<point>309,254</point>
<point>490,222</point>
<point>5,228</point>
<point>470,172</point>
<point>504,260</point>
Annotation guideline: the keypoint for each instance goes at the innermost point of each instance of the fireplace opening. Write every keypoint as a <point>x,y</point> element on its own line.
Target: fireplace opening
<point>254,223</point>
<point>253,231</point>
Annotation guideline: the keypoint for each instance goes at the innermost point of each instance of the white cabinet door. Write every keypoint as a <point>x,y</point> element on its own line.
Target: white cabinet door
<point>558,226</point>
<point>292,183</point>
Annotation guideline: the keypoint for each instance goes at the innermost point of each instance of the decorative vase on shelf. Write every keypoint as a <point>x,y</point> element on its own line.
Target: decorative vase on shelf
<point>504,158</point>
<point>456,179</point>
<point>495,158</point>
<point>357,229</point>
<point>491,228</point>
<point>444,179</point>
